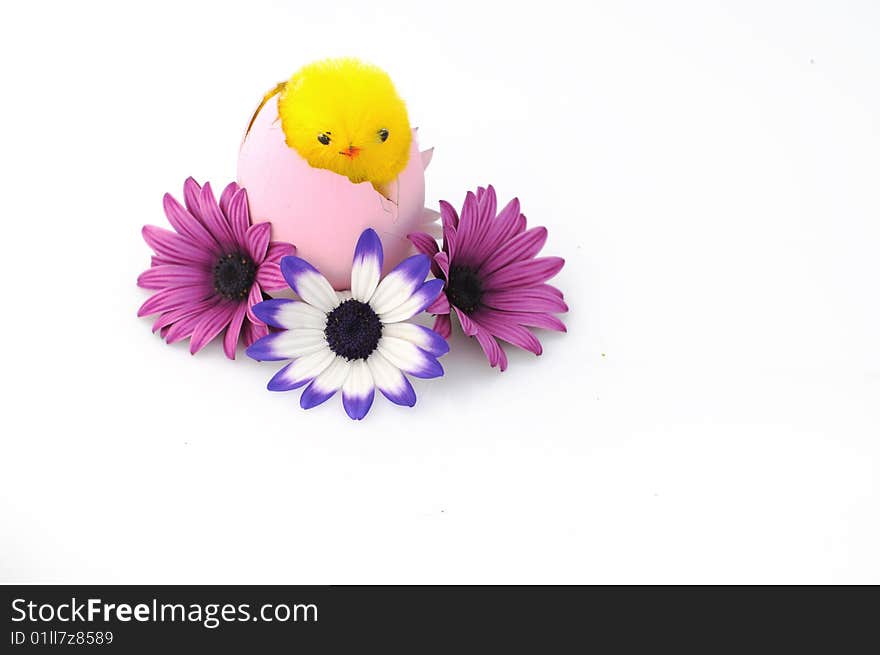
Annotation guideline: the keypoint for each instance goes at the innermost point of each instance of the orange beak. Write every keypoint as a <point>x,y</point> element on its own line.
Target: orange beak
<point>351,153</point>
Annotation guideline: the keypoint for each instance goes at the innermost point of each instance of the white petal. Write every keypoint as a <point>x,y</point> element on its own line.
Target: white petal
<point>400,283</point>
<point>300,342</point>
<point>295,315</point>
<point>333,377</point>
<point>408,357</point>
<point>360,380</point>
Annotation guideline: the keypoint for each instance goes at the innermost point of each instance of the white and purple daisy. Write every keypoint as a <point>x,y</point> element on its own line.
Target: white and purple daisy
<point>355,341</point>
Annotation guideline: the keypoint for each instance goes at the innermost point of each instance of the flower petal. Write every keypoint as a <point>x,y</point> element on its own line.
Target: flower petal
<point>521,247</point>
<point>439,306</point>
<point>498,326</point>
<point>289,344</point>
<point>366,267</point>
<point>419,335</point>
<point>230,339</point>
<point>424,243</point>
<point>173,275</point>
<point>168,318</point>
<point>326,384</point>
<point>226,196</point>
<point>237,212</point>
<point>467,325</point>
<point>525,273</point>
<point>400,283</point>
<point>301,370</point>
<point>253,332</point>
<point>416,303</point>
<point>391,381</point>
<point>443,326</point>
<point>191,192</point>
<point>257,241</point>
<point>410,358</point>
<point>269,276</point>
<point>492,349</point>
<point>214,219</point>
<point>448,215</point>
<point>173,298</point>
<point>186,224</point>
<point>308,283</point>
<point>211,325</point>
<point>358,390</point>
<point>539,298</point>
<point>277,250</point>
<point>174,248</point>
<point>290,314</point>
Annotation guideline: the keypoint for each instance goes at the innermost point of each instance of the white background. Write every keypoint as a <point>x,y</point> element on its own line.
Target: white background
<point>708,170</point>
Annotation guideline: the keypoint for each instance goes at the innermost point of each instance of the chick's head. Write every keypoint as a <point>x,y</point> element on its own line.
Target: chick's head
<point>345,115</point>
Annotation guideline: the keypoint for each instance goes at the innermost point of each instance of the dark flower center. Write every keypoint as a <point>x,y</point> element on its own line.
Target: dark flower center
<point>234,276</point>
<point>353,330</point>
<point>464,288</point>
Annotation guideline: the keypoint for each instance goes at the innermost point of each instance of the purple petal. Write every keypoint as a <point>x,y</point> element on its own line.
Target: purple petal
<point>424,243</point>
<point>507,225</point>
<point>282,380</point>
<point>493,351</point>
<point>522,247</point>
<point>191,193</point>
<point>535,319</point>
<point>524,273</point>
<point>211,325</point>
<point>230,339</point>
<point>186,224</point>
<point>441,259</point>
<point>448,215</point>
<point>467,325</point>
<point>173,298</point>
<point>253,331</point>
<point>529,299</point>
<point>439,306</point>
<point>269,276</point>
<point>237,211</point>
<point>171,316</point>
<point>174,248</point>
<point>214,219</point>
<point>173,275</point>
<point>504,328</point>
<point>257,241</point>
<point>277,250</point>
<point>357,407</point>
<point>443,326</point>
<point>226,196</point>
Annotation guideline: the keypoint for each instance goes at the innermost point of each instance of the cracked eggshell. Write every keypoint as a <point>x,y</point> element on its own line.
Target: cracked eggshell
<point>321,212</point>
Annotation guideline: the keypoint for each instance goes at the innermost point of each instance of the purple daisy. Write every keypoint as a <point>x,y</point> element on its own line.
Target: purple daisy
<point>210,272</point>
<point>492,278</point>
<point>357,340</point>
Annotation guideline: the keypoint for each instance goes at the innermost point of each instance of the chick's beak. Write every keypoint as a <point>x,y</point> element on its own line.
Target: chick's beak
<point>352,152</point>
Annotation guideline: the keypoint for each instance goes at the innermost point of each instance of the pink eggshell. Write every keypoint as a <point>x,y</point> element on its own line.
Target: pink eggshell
<point>321,212</point>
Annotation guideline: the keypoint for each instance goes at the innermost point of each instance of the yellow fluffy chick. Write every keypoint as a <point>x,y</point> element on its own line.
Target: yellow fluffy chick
<point>345,115</point>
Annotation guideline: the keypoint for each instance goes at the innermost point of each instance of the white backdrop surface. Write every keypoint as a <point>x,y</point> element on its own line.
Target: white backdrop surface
<point>708,170</point>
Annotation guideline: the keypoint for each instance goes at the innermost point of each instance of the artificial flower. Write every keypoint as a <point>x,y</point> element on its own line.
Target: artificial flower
<point>492,278</point>
<point>210,272</point>
<point>355,341</point>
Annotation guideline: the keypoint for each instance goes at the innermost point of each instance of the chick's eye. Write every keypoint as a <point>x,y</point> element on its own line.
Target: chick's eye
<point>383,135</point>
<point>324,139</point>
